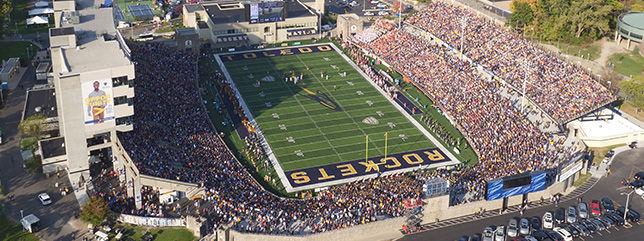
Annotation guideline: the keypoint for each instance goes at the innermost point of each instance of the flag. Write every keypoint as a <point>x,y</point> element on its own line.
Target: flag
<point>385,133</point>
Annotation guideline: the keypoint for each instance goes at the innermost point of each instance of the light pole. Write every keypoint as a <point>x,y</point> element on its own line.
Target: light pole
<point>609,85</point>
<point>525,78</point>
<point>532,37</point>
<point>21,214</point>
<point>628,197</point>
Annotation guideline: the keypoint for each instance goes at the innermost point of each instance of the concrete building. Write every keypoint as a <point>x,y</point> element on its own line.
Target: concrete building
<point>233,23</point>
<point>630,26</point>
<point>93,82</point>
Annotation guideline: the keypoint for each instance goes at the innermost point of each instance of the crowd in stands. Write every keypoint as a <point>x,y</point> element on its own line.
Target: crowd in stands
<point>172,139</point>
<point>506,141</point>
<point>564,91</point>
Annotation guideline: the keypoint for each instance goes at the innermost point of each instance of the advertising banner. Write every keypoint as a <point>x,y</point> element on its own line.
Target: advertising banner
<point>152,221</point>
<point>98,103</point>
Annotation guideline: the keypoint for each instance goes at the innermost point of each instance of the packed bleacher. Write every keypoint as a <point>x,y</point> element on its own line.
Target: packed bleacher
<point>172,139</point>
<point>506,141</point>
<point>562,90</point>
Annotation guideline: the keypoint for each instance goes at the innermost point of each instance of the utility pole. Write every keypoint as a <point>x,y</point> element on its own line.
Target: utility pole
<point>463,23</point>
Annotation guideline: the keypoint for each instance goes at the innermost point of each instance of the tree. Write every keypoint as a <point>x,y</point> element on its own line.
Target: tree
<point>178,10</point>
<point>398,7</point>
<point>522,14</point>
<point>6,6</point>
<point>33,126</point>
<point>95,210</point>
<point>634,90</point>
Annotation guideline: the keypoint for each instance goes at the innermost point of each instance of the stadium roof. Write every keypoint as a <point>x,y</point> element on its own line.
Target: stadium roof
<point>238,14</point>
<point>41,101</point>
<point>95,34</point>
<point>635,19</point>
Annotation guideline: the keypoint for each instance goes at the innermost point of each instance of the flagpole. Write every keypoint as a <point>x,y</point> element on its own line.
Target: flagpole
<point>366,156</point>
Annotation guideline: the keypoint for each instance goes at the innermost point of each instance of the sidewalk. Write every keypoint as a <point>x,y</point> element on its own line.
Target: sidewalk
<point>601,169</point>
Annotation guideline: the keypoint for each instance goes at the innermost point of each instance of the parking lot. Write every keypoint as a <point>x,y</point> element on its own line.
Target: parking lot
<point>362,7</point>
<point>624,165</point>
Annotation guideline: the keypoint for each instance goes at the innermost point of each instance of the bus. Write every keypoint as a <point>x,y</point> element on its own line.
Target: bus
<point>145,37</point>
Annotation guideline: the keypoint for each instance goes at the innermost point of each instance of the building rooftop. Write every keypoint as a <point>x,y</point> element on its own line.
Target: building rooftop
<point>53,147</point>
<point>606,128</point>
<point>186,31</point>
<point>635,19</point>
<point>61,31</point>
<point>193,7</point>
<point>41,101</point>
<point>233,13</point>
<point>9,65</point>
<point>96,38</point>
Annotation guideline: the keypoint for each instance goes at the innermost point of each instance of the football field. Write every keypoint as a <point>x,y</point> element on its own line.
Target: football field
<point>319,121</point>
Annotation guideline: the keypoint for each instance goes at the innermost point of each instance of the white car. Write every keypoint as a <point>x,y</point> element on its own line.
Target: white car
<point>583,210</point>
<point>374,2</point>
<point>513,228</point>
<point>383,13</point>
<point>44,199</point>
<point>564,233</point>
<point>524,226</point>
<point>381,5</point>
<point>499,233</point>
<point>530,238</point>
<point>639,191</point>
<point>368,13</point>
<point>354,4</point>
<point>571,215</point>
<point>547,220</point>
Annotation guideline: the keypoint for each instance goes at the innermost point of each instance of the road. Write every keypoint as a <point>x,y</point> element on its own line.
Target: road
<point>57,219</point>
<point>624,165</point>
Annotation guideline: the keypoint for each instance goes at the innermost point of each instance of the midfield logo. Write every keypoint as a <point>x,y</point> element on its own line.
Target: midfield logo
<point>325,100</point>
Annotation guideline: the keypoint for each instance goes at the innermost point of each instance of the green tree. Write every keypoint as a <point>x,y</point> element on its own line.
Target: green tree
<point>590,17</point>
<point>95,210</point>
<point>634,90</point>
<point>6,6</point>
<point>33,126</point>
<point>521,15</point>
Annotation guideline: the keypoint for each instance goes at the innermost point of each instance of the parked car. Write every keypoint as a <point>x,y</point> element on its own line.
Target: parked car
<point>608,156</point>
<point>44,199</point>
<point>616,218</point>
<point>560,215</point>
<point>374,2</point>
<point>539,234</point>
<point>608,205</point>
<point>573,231</point>
<point>582,228</point>
<point>595,209</point>
<point>632,215</point>
<point>607,221</point>
<point>475,237</point>
<point>639,191</point>
<point>564,233</point>
<point>555,235</point>
<point>368,13</point>
<point>639,175</point>
<point>583,210</point>
<point>383,13</point>
<point>524,226</point>
<point>381,5</point>
<point>513,228</point>
<point>488,234</point>
<point>571,215</point>
<point>598,224</point>
<point>536,223</point>
<point>531,238</point>
<point>636,184</point>
<point>464,238</point>
<point>588,225</point>
<point>547,220</point>
<point>499,233</point>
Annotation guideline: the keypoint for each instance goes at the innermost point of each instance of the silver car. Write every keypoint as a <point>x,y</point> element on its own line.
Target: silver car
<point>513,228</point>
<point>571,215</point>
<point>488,234</point>
<point>583,210</point>
<point>44,199</point>
<point>524,226</point>
<point>499,233</point>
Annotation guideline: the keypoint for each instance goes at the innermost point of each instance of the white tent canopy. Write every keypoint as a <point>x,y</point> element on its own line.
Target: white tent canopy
<point>42,4</point>
<point>41,11</point>
<point>37,20</point>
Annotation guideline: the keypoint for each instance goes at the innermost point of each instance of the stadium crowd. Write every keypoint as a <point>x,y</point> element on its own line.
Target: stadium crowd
<point>564,91</point>
<point>172,139</point>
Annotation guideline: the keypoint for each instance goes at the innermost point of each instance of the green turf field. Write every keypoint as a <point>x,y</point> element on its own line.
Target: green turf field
<point>320,134</point>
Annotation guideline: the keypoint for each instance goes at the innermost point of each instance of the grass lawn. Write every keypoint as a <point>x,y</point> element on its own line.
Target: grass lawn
<point>136,233</point>
<point>601,151</point>
<point>578,50</point>
<point>321,134</point>
<point>168,28</point>
<point>10,231</point>
<point>627,63</point>
<point>630,109</point>
<point>582,179</point>
<point>16,49</point>
<point>19,16</point>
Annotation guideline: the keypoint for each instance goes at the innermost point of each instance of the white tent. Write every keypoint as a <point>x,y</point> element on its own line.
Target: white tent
<point>42,4</point>
<point>37,20</point>
<point>41,11</point>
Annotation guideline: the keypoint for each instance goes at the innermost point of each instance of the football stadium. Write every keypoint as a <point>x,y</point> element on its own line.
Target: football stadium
<point>398,125</point>
<point>323,120</point>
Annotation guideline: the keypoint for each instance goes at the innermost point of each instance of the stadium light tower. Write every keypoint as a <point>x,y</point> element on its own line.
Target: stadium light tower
<point>463,23</point>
